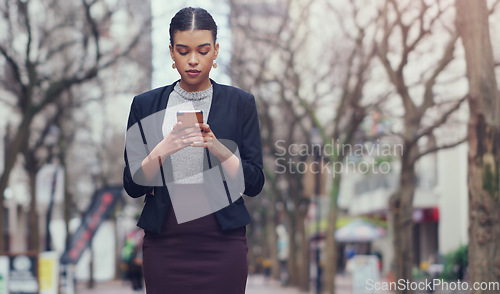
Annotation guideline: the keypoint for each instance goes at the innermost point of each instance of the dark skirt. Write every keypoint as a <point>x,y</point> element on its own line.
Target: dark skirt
<point>195,257</point>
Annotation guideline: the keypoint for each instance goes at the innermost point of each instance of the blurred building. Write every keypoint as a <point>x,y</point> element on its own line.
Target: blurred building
<point>440,203</point>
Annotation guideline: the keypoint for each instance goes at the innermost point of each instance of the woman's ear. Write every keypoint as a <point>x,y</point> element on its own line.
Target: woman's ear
<point>216,49</point>
<point>171,51</point>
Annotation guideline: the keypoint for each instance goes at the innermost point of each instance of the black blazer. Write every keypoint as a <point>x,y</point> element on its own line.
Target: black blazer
<point>233,116</point>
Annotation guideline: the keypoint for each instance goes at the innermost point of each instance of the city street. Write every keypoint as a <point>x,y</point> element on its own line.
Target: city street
<point>256,285</point>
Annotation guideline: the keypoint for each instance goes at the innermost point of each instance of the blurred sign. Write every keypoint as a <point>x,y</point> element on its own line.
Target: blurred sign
<point>100,207</point>
<point>23,270</point>
<point>364,271</point>
<point>48,272</point>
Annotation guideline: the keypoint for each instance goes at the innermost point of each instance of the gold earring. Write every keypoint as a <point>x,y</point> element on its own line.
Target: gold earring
<point>214,65</point>
<point>173,66</point>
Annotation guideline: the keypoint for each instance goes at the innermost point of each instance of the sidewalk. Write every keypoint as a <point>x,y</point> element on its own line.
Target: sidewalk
<point>256,284</point>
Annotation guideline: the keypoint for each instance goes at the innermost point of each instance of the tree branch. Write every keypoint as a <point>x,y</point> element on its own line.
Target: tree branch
<point>395,76</point>
<point>57,50</point>
<point>93,28</point>
<point>440,121</point>
<point>437,148</point>
<point>56,88</point>
<point>446,58</point>
<point>8,103</point>
<point>30,66</point>
<point>493,7</point>
<point>15,68</point>
<point>129,48</point>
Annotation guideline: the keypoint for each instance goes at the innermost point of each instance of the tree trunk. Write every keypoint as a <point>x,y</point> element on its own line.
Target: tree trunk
<point>299,245</point>
<point>292,257</point>
<point>68,197</point>
<point>68,200</point>
<point>484,143</point>
<point>304,260</point>
<point>33,220</point>
<point>328,283</point>
<point>484,206</point>
<point>31,167</point>
<point>401,209</point>
<point>12,150</point>
<point>118,245</point>
<point>272,238</point>
<point>300,251</point>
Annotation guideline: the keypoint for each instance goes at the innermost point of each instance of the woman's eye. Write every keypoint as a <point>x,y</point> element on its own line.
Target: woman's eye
<point>183,53</point>
<point>204,53</point>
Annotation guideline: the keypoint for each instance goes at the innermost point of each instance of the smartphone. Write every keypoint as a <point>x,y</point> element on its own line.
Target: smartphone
<point>189,117</point>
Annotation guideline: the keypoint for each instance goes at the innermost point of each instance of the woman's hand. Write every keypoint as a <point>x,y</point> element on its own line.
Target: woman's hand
<point>174,141</point>
<point>206,138</point>
<point>177,139</point>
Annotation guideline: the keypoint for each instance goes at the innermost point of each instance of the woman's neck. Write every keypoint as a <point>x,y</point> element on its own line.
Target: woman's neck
<point>195,88</point>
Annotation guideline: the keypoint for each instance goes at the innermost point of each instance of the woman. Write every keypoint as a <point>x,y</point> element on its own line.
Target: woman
<point>207,253</point>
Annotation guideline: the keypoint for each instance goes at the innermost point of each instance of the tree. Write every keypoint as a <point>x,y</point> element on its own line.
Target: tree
<point>349,113</point>
<point>272,33</point>
<point>51,47</point>
<point>407,27</point>
<point>483,138</point>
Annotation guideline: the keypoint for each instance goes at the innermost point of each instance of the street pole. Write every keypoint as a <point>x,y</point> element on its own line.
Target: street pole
<point>50,141</point>
<point>317,159</point>
<point>48,236</point>
<point>95,173</point>
<point>316,141</point>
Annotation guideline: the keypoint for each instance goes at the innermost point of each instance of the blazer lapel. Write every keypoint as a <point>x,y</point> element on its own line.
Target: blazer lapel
<point>216,109</point>
<point>165,95</point>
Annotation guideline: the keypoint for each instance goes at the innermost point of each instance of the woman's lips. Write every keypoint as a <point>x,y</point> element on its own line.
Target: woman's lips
<point>193,72</point>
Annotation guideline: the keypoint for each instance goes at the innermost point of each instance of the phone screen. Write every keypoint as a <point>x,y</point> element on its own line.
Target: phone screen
<point>190,117</point>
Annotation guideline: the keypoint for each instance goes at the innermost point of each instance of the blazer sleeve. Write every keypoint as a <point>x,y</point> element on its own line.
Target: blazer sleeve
<point>251,150</point>
<point>131,187</point>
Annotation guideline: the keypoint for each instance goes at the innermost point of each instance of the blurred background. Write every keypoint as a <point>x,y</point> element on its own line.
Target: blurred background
<point>367,110</point>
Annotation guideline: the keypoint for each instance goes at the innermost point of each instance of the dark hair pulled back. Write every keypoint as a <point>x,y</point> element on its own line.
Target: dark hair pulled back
<point>190,18</point>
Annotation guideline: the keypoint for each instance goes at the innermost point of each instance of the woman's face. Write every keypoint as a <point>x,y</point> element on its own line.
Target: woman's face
<point>193,53</point>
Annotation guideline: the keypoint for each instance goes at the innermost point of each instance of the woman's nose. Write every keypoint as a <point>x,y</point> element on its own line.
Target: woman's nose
<point>192,59</point>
